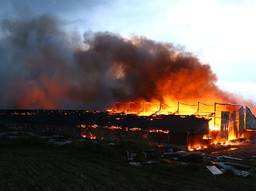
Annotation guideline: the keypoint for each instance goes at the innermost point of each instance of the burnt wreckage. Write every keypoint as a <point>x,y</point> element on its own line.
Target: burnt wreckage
<point>171,129</point>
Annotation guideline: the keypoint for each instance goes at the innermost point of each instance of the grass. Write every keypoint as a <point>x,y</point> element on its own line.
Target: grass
<point>31,165</point>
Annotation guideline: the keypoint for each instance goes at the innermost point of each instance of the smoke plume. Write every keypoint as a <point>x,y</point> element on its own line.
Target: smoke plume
<point>44,66</point>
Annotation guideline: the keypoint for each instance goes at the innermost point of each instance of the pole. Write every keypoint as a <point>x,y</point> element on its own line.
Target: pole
<point>143,106</point>
<point>178,109</point>
<point>160,106</point>
<point>214,122</point>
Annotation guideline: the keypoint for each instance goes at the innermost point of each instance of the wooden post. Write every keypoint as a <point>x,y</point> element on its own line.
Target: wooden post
<point>178,109</point>
<point>188,140</point>
<point>160,106</point>
<point>214,120</point>
<point>143,106</point>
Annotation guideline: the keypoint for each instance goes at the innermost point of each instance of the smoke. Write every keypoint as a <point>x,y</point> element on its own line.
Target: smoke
<point>44,66</point>
<point>36,59</point>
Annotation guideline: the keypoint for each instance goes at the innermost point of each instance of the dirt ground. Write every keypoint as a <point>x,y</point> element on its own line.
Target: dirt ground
<point>31,165</point>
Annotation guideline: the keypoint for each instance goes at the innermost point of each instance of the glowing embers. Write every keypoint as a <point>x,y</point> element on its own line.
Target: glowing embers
<point>213,145</point>
<point>134,129</point>
<point>213,140</point>
<point>86,132</point>
<point>112,127</point>
<point>159,131</point>
<point>196,147</point>
<point>88,135</point>
<point>193,142</point>
<point>83,126</point>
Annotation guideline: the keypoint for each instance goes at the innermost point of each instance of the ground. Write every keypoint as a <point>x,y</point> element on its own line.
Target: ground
<point>32,165</point>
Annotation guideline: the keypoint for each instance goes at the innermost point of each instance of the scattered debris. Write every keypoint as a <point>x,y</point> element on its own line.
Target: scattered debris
<point>167,153</point>
<point>232,167</point>
<point>137,164</point>
<point>15,135</point>
<point>150,162</point>
<point>174,162</point>
<point>228,158</point>
<point>59,143</point>
<point>217,165</point>
<point>214,170</point>
<point>193,157</point>
<point>242,173</point>
<point>253,156</point>
<point>152,154</point>
<point>130,156</point>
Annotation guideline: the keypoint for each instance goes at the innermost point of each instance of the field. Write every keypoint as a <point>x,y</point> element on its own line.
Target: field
<point>29,164</point>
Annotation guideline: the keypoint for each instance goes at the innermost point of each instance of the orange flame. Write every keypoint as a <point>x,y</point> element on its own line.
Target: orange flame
<point>210,111</point>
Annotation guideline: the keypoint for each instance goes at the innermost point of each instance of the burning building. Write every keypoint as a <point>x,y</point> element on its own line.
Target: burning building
<point>223,122</point>
<point>148,79</point>
<point>167,129</point>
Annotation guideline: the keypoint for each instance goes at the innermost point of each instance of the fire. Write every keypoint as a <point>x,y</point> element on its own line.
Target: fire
<point>196,147</point>
<point>213,127</point>
<point>159,131</point>
<point>212,111</point>
<point>88,136</point>
<point>85,131</point>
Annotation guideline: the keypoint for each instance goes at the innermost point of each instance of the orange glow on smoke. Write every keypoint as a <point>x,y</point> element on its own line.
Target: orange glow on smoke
<point>44,94</point>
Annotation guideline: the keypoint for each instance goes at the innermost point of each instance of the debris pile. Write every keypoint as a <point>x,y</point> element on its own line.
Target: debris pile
<point>216,164</point>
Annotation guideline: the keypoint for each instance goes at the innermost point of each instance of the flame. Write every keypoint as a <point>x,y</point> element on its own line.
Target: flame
<point>196,147</point>
<point>211,110</point>
<point>88,136</point>
<point>159,131</point>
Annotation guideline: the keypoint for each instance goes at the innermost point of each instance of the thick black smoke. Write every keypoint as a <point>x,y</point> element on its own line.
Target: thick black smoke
<point>43,66</point>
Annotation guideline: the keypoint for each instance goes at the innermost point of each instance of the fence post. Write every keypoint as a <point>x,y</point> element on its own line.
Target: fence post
<point>143,106</point>
<point>214,120</point>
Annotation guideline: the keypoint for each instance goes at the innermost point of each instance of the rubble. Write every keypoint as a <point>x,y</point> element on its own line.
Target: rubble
<point>214,170</point>
<point>174,162</point>
<point>60,143</point>
<point>216,165</point>
<point>194,157</point>
<point>137,164</point>
<point>150,162</point>
<point>130,156</point>
<point>233,169</point>
<point>241,173</point>
<point>228,158</point>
